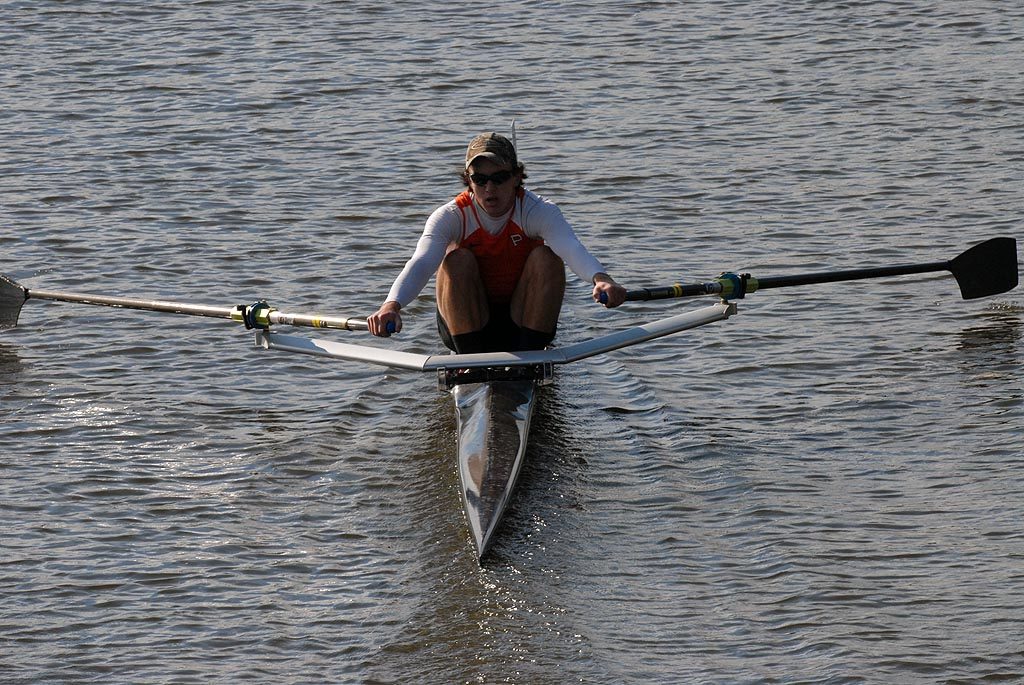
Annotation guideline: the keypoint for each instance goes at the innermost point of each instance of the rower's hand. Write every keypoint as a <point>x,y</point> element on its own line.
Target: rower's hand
<point>385,320</point>
<point>607,291</point>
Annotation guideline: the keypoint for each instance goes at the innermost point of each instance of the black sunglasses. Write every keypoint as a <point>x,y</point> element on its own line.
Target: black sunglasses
<point>497,178</point>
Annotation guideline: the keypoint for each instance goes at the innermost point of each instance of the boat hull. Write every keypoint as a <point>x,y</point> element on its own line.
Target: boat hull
<point>493,426</point>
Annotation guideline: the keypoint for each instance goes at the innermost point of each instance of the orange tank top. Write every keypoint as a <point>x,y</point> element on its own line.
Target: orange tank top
<point>501,257</point>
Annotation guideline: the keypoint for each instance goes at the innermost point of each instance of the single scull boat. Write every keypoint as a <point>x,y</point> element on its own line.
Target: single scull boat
<point>494,393</point>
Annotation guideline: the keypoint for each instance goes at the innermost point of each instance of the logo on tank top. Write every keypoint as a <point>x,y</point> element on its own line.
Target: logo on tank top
<point>516,239</point>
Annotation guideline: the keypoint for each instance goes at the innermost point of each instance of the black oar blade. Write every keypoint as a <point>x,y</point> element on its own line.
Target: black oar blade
<point>988,268</point>
<point>12,297</point>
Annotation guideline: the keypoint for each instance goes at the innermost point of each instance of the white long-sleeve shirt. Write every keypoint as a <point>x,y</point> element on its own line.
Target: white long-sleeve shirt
<point>537,217</point>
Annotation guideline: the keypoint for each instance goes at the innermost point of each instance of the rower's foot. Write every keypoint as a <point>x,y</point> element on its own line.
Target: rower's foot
<point>469,343</point>
<point>529,339</point>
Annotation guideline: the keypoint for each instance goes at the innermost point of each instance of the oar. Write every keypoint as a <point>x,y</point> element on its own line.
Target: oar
<point>988,268</point>
<point>13,296</point>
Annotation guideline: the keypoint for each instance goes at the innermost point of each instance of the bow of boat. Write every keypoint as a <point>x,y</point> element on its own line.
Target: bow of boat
<point>493,426</point>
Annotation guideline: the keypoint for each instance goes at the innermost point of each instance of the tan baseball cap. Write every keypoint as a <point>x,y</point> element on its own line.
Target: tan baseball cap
<point>494,147</point>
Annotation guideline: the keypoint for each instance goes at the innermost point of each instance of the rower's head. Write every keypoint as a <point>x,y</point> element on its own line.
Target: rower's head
<point>492,146</point>
<point>493,172</point>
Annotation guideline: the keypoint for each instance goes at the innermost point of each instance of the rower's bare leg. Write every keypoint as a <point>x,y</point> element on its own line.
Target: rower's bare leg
<point>461,298</point>
<point>537,299</point>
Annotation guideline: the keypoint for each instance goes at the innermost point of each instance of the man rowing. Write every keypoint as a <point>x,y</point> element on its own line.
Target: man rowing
<point>499,252</point>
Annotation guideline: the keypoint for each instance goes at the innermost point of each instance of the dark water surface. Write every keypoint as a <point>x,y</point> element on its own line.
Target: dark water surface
<point>825,488</point>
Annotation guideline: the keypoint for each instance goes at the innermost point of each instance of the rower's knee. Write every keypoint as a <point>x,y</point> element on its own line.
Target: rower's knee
<point>544,264</point>
<point>460,263</point>
<point>537,299</point>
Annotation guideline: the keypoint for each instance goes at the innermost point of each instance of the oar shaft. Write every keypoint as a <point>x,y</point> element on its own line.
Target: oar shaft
<point>132,303</point>
<point>986,269</point>
<point>849,275</point>
<point>717,287</point>
<point>270,316</point>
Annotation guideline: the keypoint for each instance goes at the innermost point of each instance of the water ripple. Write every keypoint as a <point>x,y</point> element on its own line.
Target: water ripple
<point>824,488</point>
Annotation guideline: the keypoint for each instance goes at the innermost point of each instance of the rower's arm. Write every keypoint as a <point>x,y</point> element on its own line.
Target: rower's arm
<point>438,234</point>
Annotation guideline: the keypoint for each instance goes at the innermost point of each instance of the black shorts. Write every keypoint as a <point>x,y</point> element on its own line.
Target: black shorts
<point>501,334</point>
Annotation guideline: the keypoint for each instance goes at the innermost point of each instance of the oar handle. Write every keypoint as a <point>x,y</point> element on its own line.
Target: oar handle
<point>676,290</point>
<point>337,323</point>
<point>668,292</point>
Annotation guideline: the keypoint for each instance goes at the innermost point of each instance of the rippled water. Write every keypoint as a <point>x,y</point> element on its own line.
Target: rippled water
<point>825,488</point>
